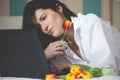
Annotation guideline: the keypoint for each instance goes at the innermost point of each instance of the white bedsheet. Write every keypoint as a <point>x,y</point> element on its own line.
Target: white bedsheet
<point>105,78</point>
<point>100,78</point>
<point>17,78</point>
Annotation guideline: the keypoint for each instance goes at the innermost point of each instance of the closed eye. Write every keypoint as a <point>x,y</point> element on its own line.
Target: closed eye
<point>43,17</point>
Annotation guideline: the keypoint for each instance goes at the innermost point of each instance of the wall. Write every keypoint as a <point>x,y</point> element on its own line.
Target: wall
<point>17,7</point>
<point>92,6</point>
<point>75,6</point>
<point>12,7</point>
<point>110,10</point>
<point>11,14</point>
<point>4,7</point>
<point>105,9</point>
<point>116,13</point>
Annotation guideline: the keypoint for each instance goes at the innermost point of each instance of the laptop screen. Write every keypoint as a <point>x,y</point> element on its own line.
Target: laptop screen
<point>21,54</point>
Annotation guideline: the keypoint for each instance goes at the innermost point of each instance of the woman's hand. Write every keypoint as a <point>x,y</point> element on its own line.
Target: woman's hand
<point>55,48</point>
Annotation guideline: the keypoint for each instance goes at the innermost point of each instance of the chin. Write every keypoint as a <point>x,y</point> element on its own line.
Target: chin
<point>56,35</point>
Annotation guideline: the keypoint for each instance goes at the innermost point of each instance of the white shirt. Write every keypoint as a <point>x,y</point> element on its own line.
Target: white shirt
<point>94,39</point>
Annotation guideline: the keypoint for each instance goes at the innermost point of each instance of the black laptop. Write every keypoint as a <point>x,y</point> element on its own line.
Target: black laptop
<point>21,54</point>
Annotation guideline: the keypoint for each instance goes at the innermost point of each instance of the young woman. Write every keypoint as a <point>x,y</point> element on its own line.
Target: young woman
<point>90,40</point>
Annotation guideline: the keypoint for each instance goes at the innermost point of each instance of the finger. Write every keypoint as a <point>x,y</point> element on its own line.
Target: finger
<point>59,52</point>
<point>59,43</point>
<point>60,48</point>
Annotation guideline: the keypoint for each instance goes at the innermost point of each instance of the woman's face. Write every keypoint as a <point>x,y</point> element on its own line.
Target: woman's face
<point>51,22</point>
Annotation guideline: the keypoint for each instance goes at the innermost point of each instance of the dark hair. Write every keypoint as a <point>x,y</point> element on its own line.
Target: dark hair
<point>33,5</point>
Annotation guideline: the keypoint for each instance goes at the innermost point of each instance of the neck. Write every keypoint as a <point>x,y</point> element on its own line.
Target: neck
<point>70,34</point>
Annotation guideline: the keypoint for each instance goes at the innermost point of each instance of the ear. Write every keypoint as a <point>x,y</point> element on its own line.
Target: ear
<point>59,8</point>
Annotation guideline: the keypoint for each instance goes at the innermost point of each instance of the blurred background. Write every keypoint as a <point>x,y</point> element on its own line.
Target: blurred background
<point>11,11</point>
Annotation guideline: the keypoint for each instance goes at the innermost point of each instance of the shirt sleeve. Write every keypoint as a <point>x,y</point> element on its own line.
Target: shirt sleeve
<point>96,39</point>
